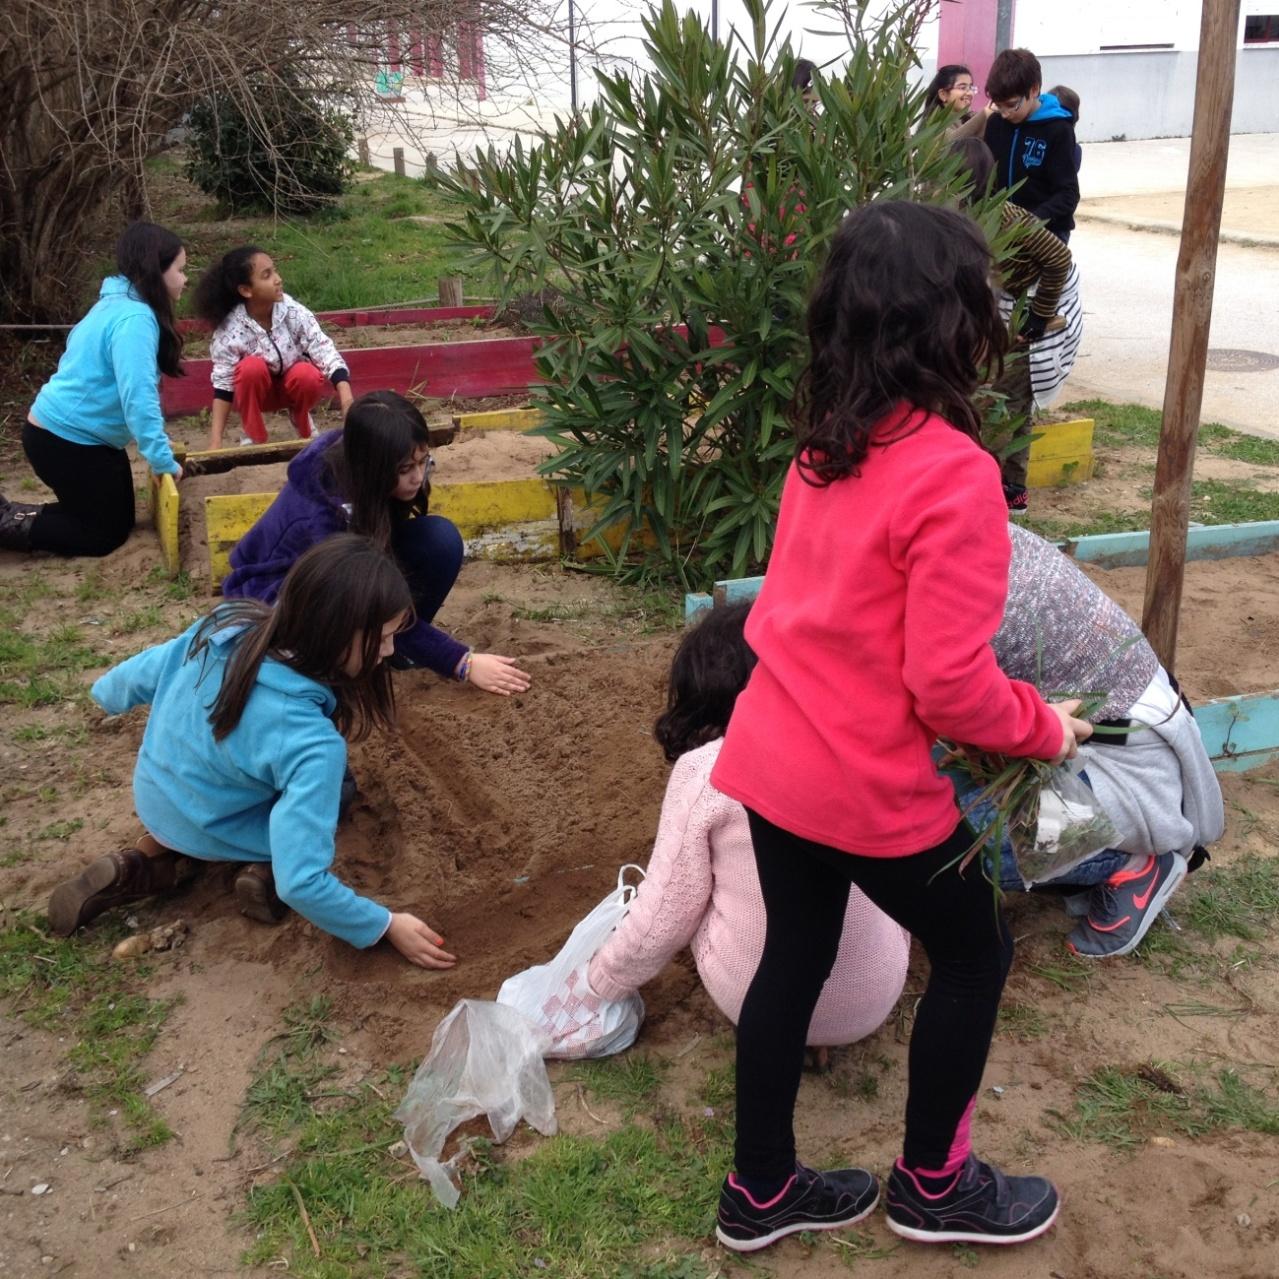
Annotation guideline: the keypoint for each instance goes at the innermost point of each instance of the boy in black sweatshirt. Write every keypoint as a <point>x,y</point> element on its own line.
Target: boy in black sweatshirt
<point>1032,137</point>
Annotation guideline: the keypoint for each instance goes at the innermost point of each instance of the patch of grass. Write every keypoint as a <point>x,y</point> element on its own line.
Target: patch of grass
<point>1022,1022</point>
<point>1133,424</point>
<point>92,586</point>
<point>72,988</point>
<point>60,830</point>
<point>629,1080</point>
<point>1070,974</point>
<point>1241,900</point>
<point>140,619</point>
<point>635,1203</point>
<point>1125,1108</point>
<point>41,670</point>
<point>1231,502</point>
<point>719,1088</point>
<point>357,253</point>
<point>1060,530</point>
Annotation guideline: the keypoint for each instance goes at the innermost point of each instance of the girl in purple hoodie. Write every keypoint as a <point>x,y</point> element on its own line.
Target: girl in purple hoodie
<point>370,477</point>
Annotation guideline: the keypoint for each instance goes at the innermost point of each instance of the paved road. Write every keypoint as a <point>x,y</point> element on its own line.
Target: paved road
<point>1128,277</point>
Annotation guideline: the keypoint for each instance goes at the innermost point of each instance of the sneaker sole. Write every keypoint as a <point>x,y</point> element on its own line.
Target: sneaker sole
<point>68,901</point>
<point>971,1236</point>
<point>1166,890</point>
<point>763,1241</point>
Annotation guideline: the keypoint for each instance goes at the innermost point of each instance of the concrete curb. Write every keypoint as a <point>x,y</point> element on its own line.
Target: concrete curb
<point>1252,240</point>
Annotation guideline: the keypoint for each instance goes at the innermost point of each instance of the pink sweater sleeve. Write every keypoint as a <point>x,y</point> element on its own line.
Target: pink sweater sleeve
<point>676,889</point>
<point>952,546</point>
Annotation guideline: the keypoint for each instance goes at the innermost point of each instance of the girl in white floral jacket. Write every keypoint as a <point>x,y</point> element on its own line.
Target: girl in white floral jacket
<point>269,352</point>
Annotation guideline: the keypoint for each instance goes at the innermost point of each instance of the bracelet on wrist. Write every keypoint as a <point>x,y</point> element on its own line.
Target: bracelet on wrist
<point>463,672</point>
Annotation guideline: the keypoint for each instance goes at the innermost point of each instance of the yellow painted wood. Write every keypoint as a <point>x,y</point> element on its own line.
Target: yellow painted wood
<point>499,420</point>
<point>250,454</point>
<point>476,508</point>
<point>1061,454</point>
<point>227,518</point>
<point>164,515</point>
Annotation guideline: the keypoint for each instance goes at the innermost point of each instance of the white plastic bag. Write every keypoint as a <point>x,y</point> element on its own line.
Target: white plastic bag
<point>1069,828</point>
<point>485,1059</point>
<point>556,998</point>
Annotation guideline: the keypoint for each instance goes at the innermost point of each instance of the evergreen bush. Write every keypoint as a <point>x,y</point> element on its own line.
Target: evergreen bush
<point>698,198</point>
<point>291,155</point>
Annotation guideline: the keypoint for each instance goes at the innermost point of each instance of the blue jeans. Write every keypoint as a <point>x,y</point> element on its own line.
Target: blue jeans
<point>1096,870</point>
<point>429,552</point>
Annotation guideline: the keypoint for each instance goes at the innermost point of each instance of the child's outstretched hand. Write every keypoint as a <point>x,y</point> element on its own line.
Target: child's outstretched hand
<point>419,943</point>
<point>1073,730</point>
<point>496,674</point>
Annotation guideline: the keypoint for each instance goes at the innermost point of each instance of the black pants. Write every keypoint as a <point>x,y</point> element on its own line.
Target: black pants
<point>952,915</point>
<point>94,485</point>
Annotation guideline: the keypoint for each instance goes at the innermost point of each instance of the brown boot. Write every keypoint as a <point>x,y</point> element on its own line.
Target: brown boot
<point>115,879</point>
<point>256,895</point>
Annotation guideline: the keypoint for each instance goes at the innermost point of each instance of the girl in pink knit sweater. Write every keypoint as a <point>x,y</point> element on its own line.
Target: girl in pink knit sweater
<point>702,888</point>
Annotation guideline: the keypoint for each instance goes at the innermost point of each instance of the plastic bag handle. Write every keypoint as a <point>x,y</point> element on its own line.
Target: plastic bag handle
<point>628,891</point>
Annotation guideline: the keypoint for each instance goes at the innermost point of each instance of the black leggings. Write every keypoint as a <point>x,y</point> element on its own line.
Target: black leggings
<point>94,486</point>
<point>953,916</point>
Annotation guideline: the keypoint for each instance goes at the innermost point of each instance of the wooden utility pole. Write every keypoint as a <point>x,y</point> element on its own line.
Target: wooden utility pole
<point>1191,314</point>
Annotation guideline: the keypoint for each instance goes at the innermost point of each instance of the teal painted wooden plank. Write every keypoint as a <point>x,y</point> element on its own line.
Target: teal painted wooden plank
<point>1236,727</point>
<point>1203,542</point>
<point>738,590</point>
<point>695,604</point>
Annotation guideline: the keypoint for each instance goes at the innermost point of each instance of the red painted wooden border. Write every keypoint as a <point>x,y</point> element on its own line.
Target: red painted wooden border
<point>496,366</point>
<point>492,366</point>
<point>384,315</point>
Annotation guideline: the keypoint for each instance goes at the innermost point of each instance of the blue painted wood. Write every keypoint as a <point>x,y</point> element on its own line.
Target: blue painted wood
<point>695,604</point>
<point>1203,542</point>
<point>1240,732</point>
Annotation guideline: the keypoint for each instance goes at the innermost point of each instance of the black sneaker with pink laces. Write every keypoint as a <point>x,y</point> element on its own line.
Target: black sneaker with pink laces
<point>980,1205</point>
<point>808,1201</point>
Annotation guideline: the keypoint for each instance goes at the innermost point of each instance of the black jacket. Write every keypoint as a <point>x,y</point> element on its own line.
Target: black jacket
<point>1042,151</point>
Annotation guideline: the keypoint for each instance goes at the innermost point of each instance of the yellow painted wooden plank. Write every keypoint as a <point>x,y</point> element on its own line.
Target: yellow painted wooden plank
<point>1062,439</point>
<point>164,515</point>
<point>1054,472</point>
<point>476,508</point>
<point>248,454</point>
<point>498,420</point>
<point>227,518</point>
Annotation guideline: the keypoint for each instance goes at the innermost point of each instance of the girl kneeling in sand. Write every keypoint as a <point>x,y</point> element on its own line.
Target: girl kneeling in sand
<point>371,477</point>
<point>243,754</point>
<point>702,888</point>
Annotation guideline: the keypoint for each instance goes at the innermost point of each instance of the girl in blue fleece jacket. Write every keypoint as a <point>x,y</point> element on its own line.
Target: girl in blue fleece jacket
<point>372,477</point>
<point>105,393</point>
<point>244,751</point>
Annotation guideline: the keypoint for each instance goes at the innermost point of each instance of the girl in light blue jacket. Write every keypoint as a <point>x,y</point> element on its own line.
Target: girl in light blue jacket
<point>244,751</point>
<point>105,393</point>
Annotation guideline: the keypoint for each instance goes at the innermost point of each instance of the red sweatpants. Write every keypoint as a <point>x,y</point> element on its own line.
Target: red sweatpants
<point>258,390</point>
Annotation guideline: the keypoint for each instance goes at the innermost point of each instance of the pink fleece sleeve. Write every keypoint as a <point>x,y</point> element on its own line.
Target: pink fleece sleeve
<point>950,539</point>
<point>674,895</point>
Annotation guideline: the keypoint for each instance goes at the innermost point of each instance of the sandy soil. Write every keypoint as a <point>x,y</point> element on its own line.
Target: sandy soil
<point>453,822</point>
<point>1247,210</point>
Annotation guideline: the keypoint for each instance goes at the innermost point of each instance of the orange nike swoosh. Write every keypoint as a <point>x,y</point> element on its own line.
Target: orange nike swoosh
<point>1142,901</point>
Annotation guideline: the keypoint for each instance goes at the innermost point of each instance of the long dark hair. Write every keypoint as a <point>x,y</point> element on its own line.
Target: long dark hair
<point>342,589</point>
<point>142,255</point>
<point>902,314</point>
<point>944,79</point>
<point>710,667</point>
<point>382,428</point>
<point>218,292</point>
<point>977,163</point>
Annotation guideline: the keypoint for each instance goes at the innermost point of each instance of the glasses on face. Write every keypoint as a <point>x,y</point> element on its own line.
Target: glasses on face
<point>963,88</point>
<point>1008,107</point>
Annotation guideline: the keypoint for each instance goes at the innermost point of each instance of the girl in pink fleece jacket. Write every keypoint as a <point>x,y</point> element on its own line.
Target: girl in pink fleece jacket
<point>702,888</point>
<point>887,580</point>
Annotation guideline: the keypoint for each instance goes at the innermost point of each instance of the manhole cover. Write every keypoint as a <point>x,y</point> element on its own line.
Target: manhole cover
<point>1224,359</point>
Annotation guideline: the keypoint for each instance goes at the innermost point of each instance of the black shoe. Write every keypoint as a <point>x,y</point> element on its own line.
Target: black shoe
<point>16,522</point>
<point>981,1206</point>
<point>1018,498</point>
<point>810,1201</point>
